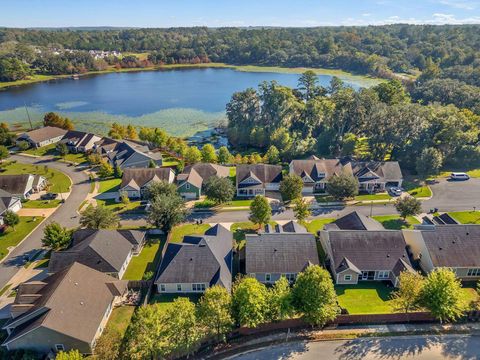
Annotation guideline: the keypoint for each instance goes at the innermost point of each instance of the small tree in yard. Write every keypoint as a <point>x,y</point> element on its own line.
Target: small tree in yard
<point>408,206</point>
<point>118,172</point>
<point>260,210</point>
<point>408,295</point>
<point>343,186</point>
<point>56,237</point>
<point>70,355</point>
<point>280,300</point>
<point>314,296</point>
<point>219,190</point>
<point>105,170</point>
<point>215,311</point>
<point>208,154</point>
<point>62,149</point>
<point>124,198</point>
<point>224,156</point>
<point>23,145</point>
<point>193,155</point>
<point>98,217</point>
<point>4,153</point>
<point>11,219</point>
<point>166,211</point>
<point>301,210</point>
<point>272,156</point>
<point>94,159</point>
<point>152,164</point>
<point>442,295</point>
<point>291,187</point>
<point>430,162</point>
<point>108,345</point>
<point>250,302</point>
<point>160,188</point>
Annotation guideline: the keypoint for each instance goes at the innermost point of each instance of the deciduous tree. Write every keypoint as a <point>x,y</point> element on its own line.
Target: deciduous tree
<point>215,311</point>
<point>219,190</point>
<point>407,297</point>
<point>166,211</point>
<point>301,210</point>
<point>105,170</point>
<point>430,162</point>
<point>99,217</point>
<point>280,300</point>
<point>342,186</point>
<point>11,219</point>
<point>291,187</point>
<point>260,210</point>
<point>224,156</point>
<point>408,206</point>
<point>208,154</point>
<point>250,302</point>
<point>272,156</point>
<point>56,237</point>
<point>193,155</point>
<point>158,188</point>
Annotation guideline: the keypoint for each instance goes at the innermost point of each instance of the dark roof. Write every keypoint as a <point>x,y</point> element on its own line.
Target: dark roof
<point>78,138</point>
<point>354,221</point>
<point>6,199</point>
<point>43,134</point>
<point>453,245</point>
<point>199,259</point>
<point>379,170</point>
<point>367,250</point>
<point>15,184</point>
<point>264,173</point>
<point>143,176</point>
<point>102,250</point>
<point>279,252</point>
<point>289,227</point>
<point>120,151</point>
<point>72,302</point>
<point>203,172</point>
<point>445,219</point>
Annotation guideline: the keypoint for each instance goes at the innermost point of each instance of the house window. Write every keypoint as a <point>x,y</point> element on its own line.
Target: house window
<point>347,277</point>
<point>59,347</point>
<point>198,287</point>
<point>268,277</point>
<point>473,272</point>
<point>382,274</point>
<point>163,288</point>
<point>179,287</point>
<point>290,277</point>
<point>187,186</point>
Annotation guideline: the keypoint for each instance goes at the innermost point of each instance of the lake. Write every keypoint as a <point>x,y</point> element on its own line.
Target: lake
<point>182,101</point>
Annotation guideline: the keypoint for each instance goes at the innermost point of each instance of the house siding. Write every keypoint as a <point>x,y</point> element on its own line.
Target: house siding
<point>171,288</point>
<point>192,193</point>
<point>415,240</point>
<point>340,278</point>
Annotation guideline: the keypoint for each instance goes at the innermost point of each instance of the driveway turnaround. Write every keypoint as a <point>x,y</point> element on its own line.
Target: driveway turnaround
<point>454,195</point>
<point>66,215</point>
<point>395,348</point>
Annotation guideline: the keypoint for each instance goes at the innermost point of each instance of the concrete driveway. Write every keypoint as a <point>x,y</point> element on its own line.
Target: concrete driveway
<point>66,215</point>
<point>395,348</point>
<point>454,195</point>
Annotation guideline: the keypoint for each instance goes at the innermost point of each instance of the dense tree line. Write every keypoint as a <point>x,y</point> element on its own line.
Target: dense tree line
<point>377,123</point>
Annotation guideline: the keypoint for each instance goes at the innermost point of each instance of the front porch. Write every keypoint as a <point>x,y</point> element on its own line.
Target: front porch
<point>250,192</point>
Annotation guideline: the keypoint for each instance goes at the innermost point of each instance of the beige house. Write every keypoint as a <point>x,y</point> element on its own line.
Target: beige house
<point>67,310</point>
<point>43,136</point>
<point>362,255</point>
<point>452,246</point>
<point>79,141</point>
<point>135,181</point>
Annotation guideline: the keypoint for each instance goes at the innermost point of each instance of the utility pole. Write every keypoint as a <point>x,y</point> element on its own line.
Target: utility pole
<point>28,115</point>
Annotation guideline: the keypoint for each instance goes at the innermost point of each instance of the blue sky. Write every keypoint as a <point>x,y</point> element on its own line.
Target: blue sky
<point>167,13</point>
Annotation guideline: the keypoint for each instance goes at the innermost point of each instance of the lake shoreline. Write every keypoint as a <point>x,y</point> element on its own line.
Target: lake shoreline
<point>361,79</point>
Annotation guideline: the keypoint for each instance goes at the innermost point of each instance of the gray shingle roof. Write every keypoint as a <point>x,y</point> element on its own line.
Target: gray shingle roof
<point>265,173</point>
<point>279,252</point>
<point>204,171</point>
<point>453,245</point>
<point>14,184</point>
<point>143,176</point>
<point>354,221</point>
<point>199,259</point>
<point>74,302</point>
<point>44,133</point>
<point>367,250</point>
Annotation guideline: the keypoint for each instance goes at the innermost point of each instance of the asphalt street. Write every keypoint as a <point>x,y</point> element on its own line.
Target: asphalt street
<point>396,348</point>
<point>66,215</point>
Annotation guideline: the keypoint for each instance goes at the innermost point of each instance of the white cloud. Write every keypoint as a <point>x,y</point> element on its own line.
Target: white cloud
<point>460,4</point>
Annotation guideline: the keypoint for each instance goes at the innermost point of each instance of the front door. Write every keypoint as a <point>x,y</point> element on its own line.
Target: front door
<point>368,275</point>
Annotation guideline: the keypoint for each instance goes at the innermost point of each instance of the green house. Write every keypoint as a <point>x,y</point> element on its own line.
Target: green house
<point>190,181</point>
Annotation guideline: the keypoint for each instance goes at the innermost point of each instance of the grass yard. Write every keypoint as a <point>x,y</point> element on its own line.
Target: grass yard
<point>12,237</point>
<point>119,207</point>
<point>417,188</point>
<point>233,171</point>
<point>369,197</point>
<point>315,225</point>
<point>164,300</point>
<point>109,185</point>
<point>41,204</point>
<point>120,319</point>
<point>240,229</point>
<point>365,298</point>
<point>238,203</point>
<point>178,232</point>
<point>395,222</point>
<point>466,217</point>
<point>324,198</point>
<point>75,158</point>
<point>42,151</point>
<point>146,261</point>
<point>59,182</point>
<point>205,204</point>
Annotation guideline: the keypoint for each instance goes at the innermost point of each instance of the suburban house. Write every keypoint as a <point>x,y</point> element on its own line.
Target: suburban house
<point>453,246</point>
<point>108,251</point>
<point>79,141</point>
<point>197,263</point>
<point>257,179</point>
<point>354,221</point>
<point>22,185</point>
<point>356,255</point>
<point>372,176</point>
<point>8,202</point>
<point>128,154</point>
<point>135,181</point>
<point>277,252</point>
<point>65,311</point>
<point>289,227</point>
<point>43,136</point>
<point>193,177</point>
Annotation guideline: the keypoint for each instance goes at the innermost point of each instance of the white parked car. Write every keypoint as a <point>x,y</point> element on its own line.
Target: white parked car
<point>459,176</point>
<point>395,191</point>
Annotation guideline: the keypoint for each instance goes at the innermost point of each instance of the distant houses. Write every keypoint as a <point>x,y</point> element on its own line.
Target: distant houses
<point>42,136</point>
<point>128,154</point>
<point>79,141</point>
<point>192,179</point>
<point>135,181</point>
<point>372,176</point>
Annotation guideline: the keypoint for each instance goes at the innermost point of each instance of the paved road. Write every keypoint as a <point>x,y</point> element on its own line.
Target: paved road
<point>66,215</point>
<point>454,195</point>
<point>399,348</point>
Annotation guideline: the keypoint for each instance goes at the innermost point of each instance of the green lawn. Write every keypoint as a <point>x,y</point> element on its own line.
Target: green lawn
<point>466,217</point>
<point>240,229</point>
<point>417,188</point>
<point>42,151</point>
<point>233,171</point>
<point>238,203</point>
<point>325,198</point>
<point>146,261</point>
<point>166,299</point>
<point>178,232</point>
<point>470,294</point>
<point>205,204</point>
<point>120,319</point>
<point>474,173</point>
<point>41,204</point>
<point>368,197</point>
<point>59,182</point>
<point>12,237</point>
<point>119,207</point>
<point>315,225</point>
<point>365,298</point>
<point>394,222</point>
<point>75,158</point>
<point>109,185</point>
